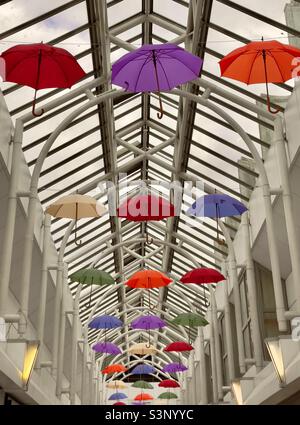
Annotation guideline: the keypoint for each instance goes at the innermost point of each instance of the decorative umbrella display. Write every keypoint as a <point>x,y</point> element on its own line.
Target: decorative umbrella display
<point>260,62</point>
<point>92,277</point>
<point>174,368</point>
<point>106,348</point>
<point>114,368</point>
<point>192,320</point>
<point>167,396</point>
<point>119,403</point>
<point>41,66</point>
<point>142,384</point>
<point>155,68</point>
<point>148,279</point>
<point>169,383</point>
<point>118,396</point>
<point>143,369</point>
<point>147,323</point>
<point>216,206</point>
<point>143,397</point>
<point>141,349</point>
<point>105,322</point>
<point>76,207</point>
<point>116,385</point>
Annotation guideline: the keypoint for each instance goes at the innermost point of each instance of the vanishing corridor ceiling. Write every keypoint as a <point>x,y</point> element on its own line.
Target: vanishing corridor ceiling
<point>80,155</point>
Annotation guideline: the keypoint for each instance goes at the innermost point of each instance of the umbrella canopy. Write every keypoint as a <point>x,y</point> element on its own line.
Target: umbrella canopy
<point>143,397</point>
<point>106,348</point>
<point>179,346</point>
<point>118,396</point>
<point>114,368</point>
<point>105,322</point>
<point>141,349</point>
<point>190,319</point>
<point>148,322</point>
<point>167,396</point>
<point>216,206</point>
<point>76,207</point>
<point>153,68</point>
<point>119,403</point>
<point>169,383</point>
<point>260,62</point>
<point>146,208</point>
<point>143,369</point>
<point>92,277</point>
<point>174,368</point>
<point>147,279</point>
<point>138,403</point>
<point>116,385</point>
<point>202,275</point>
<point>142,384</point>
<point>41,66</point>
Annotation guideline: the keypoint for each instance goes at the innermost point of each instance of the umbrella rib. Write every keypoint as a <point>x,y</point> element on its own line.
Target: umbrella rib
<point>181,63</point>
<point>252,65</point>
<point>148,59</point>
<point>158,60</point>
<point>271,54</point>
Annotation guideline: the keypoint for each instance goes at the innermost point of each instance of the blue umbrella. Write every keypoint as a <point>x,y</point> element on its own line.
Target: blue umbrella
<point>216,206</point>
<point>118,396</point>
<point>143,369</point>
<point>105,322</point>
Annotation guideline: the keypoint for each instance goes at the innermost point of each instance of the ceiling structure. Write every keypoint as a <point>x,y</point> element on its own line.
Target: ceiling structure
<point>188,139</point>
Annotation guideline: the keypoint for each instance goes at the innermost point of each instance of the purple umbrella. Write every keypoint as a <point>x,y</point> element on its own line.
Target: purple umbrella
<point>106,347</point>
<point>147,323</point>
<point>138,403</point>
<point>174,367</point>
<point>143,369</point>
<point>153,68</point>
<point>216,206</point>
<point>118,396</point>
<point>105,322</point>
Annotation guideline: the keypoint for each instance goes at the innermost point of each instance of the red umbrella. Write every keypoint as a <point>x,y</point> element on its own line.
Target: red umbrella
<point>143,397</point>
<point>41,66</point>
<point>179,347</point>
<point>202,275</point>
<point>260,62</point>
<point>169,383</point>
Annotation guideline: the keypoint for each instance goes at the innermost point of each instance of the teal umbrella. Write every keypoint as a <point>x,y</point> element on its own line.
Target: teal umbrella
<point>92,277</point>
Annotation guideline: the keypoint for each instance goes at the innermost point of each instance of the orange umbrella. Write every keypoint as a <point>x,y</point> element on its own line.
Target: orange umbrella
<point>260,62</point>
<point>143,397</point>
<point>114,368</point>
<point>147,279</point>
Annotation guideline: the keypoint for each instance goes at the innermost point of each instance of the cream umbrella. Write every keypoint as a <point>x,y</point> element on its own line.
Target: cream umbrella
<point>142,349</point>
<point>116,385</point>
<point>76,207</point>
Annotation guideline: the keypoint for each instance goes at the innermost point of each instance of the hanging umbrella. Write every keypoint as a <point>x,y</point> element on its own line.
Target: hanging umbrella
<point>192,320</point>
<point>106,348</point>
<point>260,62</point>
<point>116,385</point>
<point>114,368</point>
<point>41,66</point>
<point>174,368</point>
<point>92,277</point>
<point>143,369</point>
<point>138,403</point>
<point>76,207</point>
<point>167,396</point>
<point>119,403</point>
<point>105,322</point>
<point>216,206</point>
<point>142,384</point>
<point>155,68</point>
<point>147,323</point>
<point>202,275</point>
<point>141,349</point>
<point>148,279</point>
<point>118,396</point>
<point>169,383</point>
<point>143,397</point>
<point>179,346</point>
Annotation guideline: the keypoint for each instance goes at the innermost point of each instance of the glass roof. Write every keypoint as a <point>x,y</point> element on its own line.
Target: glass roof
<point>79,158</point>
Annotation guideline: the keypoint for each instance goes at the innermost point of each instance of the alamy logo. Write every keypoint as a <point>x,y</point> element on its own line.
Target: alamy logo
<point>295,323</point>
<point>2,330</point>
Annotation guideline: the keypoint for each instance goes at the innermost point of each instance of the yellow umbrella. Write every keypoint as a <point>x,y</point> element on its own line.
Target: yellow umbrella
<point>76,207</point>
<point>116,385</point>
<point>142,349</point>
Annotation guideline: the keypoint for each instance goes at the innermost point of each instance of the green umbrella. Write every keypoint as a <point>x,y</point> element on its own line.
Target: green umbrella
<point>192,320</point>
<point>167,395</point>
<point>142,384</point>
<point>92,277</point>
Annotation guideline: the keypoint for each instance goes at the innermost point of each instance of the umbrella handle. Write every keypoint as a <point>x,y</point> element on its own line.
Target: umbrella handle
<point>33,107</point>
<point>76,219</point>
<point>160,114</point>
<point>149,240</point>
<point>275,111</point>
